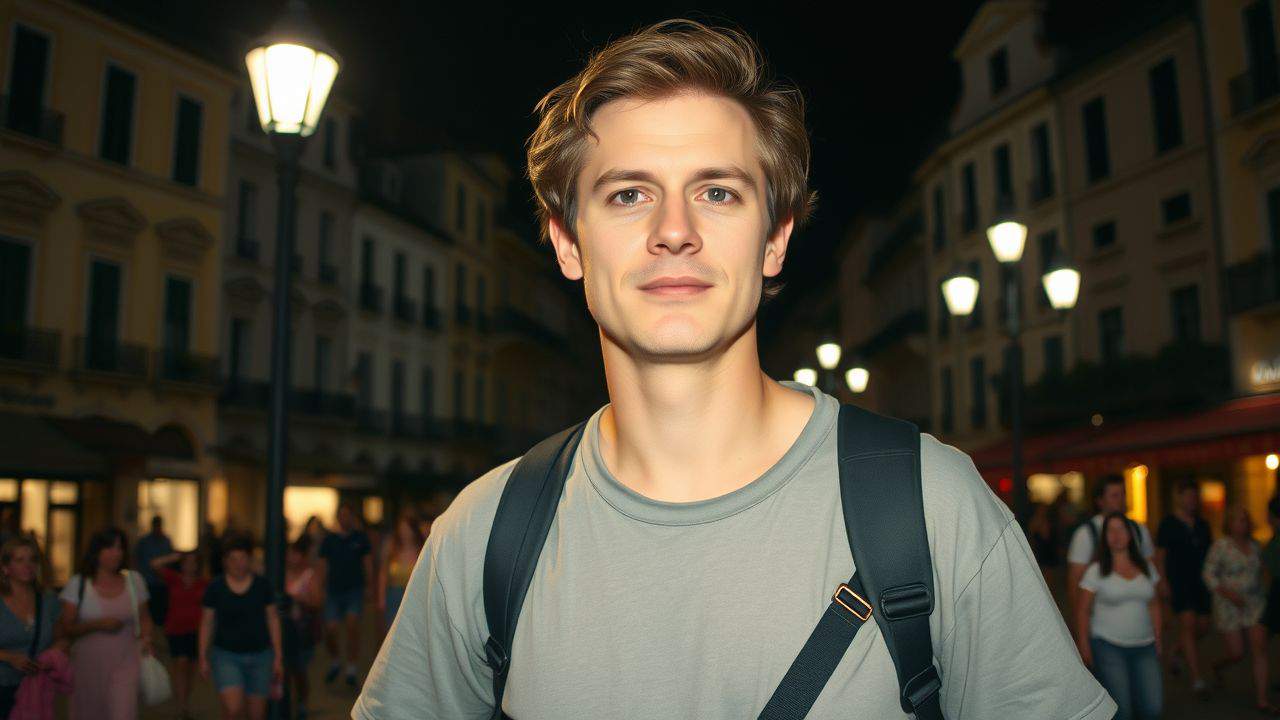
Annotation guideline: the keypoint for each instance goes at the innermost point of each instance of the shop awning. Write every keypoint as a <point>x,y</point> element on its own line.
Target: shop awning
<point>30,446</point>
<point>120,438</point>
<point>1235,428</point>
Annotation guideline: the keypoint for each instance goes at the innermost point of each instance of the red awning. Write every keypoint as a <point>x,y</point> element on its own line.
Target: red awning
<point>1235,428</point>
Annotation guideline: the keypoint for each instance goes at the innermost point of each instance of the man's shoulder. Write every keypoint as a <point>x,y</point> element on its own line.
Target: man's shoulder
<point>952,485</point>
<point>469,517</point>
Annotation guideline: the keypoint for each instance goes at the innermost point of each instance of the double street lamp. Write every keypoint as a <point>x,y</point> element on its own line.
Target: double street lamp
<point>829,353</point>
<point>291,71</point>
<point>1061,282</point>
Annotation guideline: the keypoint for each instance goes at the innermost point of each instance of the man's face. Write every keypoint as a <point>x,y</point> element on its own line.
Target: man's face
<point>672,193</point>
<point>1113,498</point>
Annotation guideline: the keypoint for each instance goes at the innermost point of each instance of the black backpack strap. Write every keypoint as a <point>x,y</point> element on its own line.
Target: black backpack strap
<point>880,489</point>
<point>879,459</point>
<point>525,511</point>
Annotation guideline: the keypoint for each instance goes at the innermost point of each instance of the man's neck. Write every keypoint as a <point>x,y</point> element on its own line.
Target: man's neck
<point>684,432</point>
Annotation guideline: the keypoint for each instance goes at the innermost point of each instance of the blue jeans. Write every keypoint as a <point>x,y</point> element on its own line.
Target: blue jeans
<point>1132,676</point>
<point>249,671</point>
<point>341,603</point>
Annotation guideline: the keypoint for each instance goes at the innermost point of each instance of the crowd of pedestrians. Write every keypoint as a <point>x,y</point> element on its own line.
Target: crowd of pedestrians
<point>208,610</point>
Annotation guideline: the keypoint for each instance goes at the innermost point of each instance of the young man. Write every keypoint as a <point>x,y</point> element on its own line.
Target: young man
<point>151,546</point>
<point>700,533</point>
<point>1182,542</point>
<point>348,568</point>
<point>1108,497</point>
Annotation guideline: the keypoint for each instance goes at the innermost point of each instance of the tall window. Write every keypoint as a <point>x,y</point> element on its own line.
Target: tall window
<point>1053,360</point>
<point>459,401</point>
<point>480,222</point>
<point>1004,177</point>
<point>460,211</point>
<point>1104,235</point>
<point>326,238</point>
<point>1097,152</point>
<point>364,380</point>
<point>323,355</point>
<point>238,357</point>
<point>27,78</point>
<point>948,401</point>
<point>397,389</point>
<point>366,261</point>
<point>939,217</point>
<point>998,71</point>
<point>330,142</point>
<point>1165,112</point>
<point>944,316</point>
<point>15,278</point>
<point>428,391</point>
<point>399,276</point>
<point>428,286</point>
<point>480,293</point>
<point>978,385</point>
<point>186,142</point>
<point>1273,216</point>
<point>1185,304</point>
<point>969,185</point>
<point>103,322</point>
<point>460,286</point>
<point>247,217</point>
<point>1042,157</point>
<point>1110,335</point>
<point>1176,208</point>
<point>116,139</point>
<point>177,316</point>
<point>1260,48</point>
<point>481,415</point>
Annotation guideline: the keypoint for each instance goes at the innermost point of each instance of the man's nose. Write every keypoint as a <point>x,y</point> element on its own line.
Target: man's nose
<point>675,230</point>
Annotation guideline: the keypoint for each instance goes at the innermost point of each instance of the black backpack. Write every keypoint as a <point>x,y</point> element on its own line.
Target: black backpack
<point>880,492</point>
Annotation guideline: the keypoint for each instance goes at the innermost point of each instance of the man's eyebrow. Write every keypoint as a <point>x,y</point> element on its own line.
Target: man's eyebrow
<point>727,172</point>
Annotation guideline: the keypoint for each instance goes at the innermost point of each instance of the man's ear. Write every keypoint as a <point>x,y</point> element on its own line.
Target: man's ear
<point>566,248</point>
<point>775,247</point>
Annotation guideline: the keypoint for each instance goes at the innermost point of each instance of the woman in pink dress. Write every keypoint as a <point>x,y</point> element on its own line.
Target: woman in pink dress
<point>106,654</point>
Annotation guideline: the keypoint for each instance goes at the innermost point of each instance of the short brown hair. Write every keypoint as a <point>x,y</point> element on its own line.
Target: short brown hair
<point>7,551</point>
<point>655,62</point>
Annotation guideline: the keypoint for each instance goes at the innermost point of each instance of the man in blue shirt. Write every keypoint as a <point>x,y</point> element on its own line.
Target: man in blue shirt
<point>348,568</point>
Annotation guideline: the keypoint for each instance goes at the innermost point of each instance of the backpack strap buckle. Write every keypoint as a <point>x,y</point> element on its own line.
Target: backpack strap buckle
<point>855,603</point>
<point>496,656</point>
<point>921,689</point>
<point>906,601</point>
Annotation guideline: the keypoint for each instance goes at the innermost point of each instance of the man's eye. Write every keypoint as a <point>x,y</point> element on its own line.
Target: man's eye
<point>720,196</point>
<point>628,197</point>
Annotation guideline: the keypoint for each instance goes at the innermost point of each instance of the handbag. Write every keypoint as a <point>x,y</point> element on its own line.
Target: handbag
<point>153,679</point>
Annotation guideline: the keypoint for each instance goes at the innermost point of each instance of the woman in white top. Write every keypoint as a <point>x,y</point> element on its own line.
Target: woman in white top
<point>1118,622</point>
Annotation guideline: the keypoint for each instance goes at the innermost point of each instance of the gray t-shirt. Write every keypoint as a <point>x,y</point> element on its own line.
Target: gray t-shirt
<point>648,609</point>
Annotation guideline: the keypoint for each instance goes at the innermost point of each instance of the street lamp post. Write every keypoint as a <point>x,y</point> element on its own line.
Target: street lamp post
<point>1061,283</point>
<point>291,71</point>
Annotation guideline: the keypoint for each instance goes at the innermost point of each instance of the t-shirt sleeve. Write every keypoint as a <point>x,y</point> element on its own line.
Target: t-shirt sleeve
<point>1080,551</point>
<point>426,664</point>
<point>1091,579</point>
<point>71,591</point>
<point>139,586</point>
<point>1148,548</point>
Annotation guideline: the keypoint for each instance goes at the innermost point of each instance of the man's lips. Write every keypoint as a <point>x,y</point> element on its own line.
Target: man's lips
<point>683,285</point>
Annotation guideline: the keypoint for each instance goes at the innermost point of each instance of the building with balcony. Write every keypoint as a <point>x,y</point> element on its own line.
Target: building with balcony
<point>1101,145</point>
<point>113,177</point>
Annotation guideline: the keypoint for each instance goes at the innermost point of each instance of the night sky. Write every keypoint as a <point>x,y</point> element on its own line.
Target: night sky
<point>467,74</point>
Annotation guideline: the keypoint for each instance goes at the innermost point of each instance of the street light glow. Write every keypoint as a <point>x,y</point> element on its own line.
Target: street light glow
<point>1063,287</point>
<point>806,376</point>
<point>1273,461</point>
<point>961,293</point>
<point>291,71</point>
<point>829,355</point>
<point>1007,240</point>
<point>856,378</point>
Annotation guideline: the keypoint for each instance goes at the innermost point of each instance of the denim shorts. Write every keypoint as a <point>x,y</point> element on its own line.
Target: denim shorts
<point>250,671</point>
<point>339,603</point>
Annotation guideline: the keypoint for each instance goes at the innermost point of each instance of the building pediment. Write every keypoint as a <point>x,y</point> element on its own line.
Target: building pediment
<point>245,289</point>
<point>184,238</point>
<point>25,195</point>
<point>329,311</point>
<point>114,219</point>
<point>992,20</point>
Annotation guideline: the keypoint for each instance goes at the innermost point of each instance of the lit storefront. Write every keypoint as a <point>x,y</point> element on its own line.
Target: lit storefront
<point>1229,450</point>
